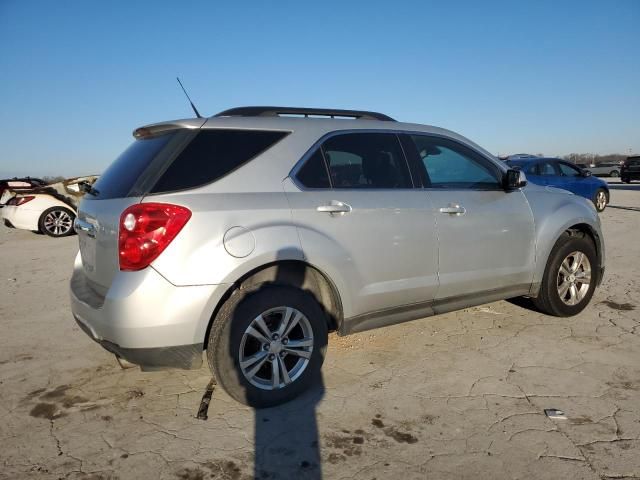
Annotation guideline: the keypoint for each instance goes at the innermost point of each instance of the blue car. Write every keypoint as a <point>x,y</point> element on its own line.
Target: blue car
<point>560,174</point>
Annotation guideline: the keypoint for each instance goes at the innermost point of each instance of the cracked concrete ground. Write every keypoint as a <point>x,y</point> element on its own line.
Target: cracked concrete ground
<point>456,396</point>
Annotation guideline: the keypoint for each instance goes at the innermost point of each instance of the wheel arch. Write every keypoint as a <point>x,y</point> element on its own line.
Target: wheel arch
<point>596,238</point>
<point>295,273</point>
<point>579,228</point>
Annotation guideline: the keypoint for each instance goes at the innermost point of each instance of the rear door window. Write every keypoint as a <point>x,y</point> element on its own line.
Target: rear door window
<point>547,169</point>
<point>366,160</point>
<point>213,154</point>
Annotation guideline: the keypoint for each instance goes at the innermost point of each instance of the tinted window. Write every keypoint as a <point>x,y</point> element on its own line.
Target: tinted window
<point>118,180</point>
<point>547,169</point>
<point>567,170</point>
<point>213,154</point>
<point>313,174</point>
<point>448,164</point>
<point>366,160</point>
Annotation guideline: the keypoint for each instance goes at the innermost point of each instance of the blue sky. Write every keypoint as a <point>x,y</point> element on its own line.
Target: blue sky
<point>76,77</point>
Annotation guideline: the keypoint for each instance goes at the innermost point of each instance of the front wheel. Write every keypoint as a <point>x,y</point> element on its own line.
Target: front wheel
<point>615,173</point>
<point>600,199</point>
<point>57,222</point>
<point>570,276</point>
<point>266,347</point>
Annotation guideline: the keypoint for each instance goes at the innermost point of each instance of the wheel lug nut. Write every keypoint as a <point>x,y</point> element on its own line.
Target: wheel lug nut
<point>285,341</point>
<point>272,357</point>
<point>275,336</point>
<point>265,347</point>
<point>282,354</point>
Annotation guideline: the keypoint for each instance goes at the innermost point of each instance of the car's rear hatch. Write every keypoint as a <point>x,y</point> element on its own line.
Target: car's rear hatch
<point>123,184</point>
<point>165,158</point>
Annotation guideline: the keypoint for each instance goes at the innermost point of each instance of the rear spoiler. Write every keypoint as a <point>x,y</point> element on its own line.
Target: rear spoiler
<point>163,127</point>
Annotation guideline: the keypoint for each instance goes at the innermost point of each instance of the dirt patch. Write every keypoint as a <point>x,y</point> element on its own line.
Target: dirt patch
<point>228,468</point>
<point>392,432</point>
<point>134,393</point>
<point>624,385</point>
<point>349,444</point>
<point>16,359</point>
<point>619,306</point>
<point>34,394</point>
<point>429,419</point>
<point>190,474</point>
<point>68,402</point>
<point>399,436</point>
<point>582,420</point>
<point>46,410</point>
<point>56,392</point>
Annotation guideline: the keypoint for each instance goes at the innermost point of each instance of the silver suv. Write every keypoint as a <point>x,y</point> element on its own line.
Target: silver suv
<point>252,234</point>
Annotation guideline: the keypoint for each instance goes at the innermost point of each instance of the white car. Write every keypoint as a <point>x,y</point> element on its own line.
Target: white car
<point>50,209</point>
<point>39,213</point>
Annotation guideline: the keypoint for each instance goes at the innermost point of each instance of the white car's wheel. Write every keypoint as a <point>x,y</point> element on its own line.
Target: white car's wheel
<point>57,222</point>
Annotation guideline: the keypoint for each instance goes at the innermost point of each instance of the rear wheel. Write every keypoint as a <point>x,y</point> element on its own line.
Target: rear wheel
<point>267,347</point>
<point>57,222</point>
<point>600,199</point>
<point>570,276</point>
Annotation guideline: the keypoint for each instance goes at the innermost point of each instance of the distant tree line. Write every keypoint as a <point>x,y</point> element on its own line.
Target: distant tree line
<point>53,179</point>
<point>590,158</point>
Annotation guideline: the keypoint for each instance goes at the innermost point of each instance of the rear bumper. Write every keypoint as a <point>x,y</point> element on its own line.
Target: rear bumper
<point>20,218</point>
<point>145,319</point>
<point>187,357</point>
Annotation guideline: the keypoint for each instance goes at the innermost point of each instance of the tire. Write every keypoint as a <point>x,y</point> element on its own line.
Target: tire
<point>614,174</point>
<point>600,199</point>
<point>549,298</point>
<point>57,222</point>
<point>229,340</point>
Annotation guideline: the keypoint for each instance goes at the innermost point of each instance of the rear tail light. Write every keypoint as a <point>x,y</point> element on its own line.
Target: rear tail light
<point>146,229</point>
<point>17,201</point>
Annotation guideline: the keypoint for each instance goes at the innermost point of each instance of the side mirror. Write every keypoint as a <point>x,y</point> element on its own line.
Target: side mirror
<point>586,173</point>
<point>514,179</point>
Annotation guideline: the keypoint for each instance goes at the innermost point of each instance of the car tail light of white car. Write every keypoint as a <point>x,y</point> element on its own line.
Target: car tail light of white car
<point>17,201</point>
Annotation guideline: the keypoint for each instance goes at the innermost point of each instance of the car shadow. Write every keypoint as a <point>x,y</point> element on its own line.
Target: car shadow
<point>524,302</point>
<point>287,443</point>
<point>286,438</point>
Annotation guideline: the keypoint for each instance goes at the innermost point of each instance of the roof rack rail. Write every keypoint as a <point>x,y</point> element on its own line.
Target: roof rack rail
<point>305,112</point>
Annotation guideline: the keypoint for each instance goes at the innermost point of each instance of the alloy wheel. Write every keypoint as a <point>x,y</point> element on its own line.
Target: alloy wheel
<point>58,222</point>
<point>574,278</point>
<point>276,348</point>
<point>601,200</point>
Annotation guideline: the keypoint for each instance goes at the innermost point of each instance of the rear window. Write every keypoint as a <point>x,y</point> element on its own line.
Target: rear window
<point>213,154</point>
<point>118,180</point>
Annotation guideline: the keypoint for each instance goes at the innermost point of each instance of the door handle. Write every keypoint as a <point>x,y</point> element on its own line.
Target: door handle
<point>453,209</point>
<point>334,207</point>
<point>86,227</point>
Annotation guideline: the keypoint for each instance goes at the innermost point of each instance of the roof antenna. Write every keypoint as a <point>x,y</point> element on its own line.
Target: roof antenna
<point>188,98</point>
